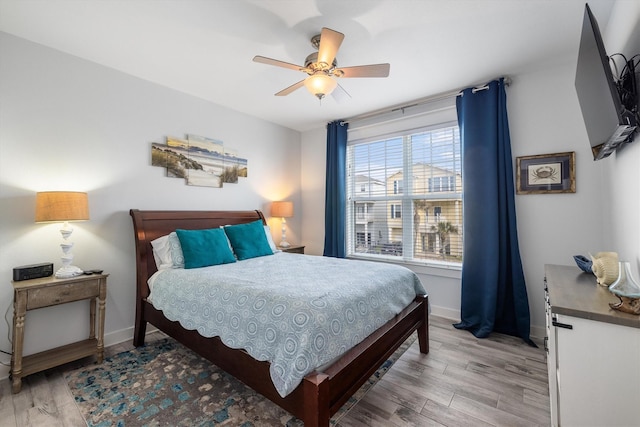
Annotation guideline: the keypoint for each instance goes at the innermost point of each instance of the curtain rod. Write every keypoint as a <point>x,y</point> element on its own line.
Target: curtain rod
<point>421,101</point>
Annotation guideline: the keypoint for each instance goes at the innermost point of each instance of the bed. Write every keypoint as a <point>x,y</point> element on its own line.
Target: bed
<point>321,392</point>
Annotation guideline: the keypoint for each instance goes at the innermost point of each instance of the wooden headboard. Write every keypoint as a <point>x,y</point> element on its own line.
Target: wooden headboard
<point>149,225</point>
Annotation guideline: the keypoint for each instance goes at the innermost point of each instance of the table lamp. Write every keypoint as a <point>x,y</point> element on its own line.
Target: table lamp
<point>63,206</point>
<point>282,210</point>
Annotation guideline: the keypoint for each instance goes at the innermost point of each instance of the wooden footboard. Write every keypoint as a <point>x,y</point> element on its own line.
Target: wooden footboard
<point>321,394</point>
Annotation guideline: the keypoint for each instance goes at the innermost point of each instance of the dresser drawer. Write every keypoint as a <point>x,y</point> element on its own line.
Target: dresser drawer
<point>63,293</point>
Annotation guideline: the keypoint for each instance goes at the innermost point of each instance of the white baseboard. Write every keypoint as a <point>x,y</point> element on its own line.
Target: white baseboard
<point>537,332</point>
<point>447,313</point>
<point>113,338</point>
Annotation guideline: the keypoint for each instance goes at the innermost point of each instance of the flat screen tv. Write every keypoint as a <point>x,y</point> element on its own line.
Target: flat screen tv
<point>608,122</point>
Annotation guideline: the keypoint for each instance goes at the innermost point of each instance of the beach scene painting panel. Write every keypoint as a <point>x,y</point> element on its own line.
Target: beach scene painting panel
<point>234,166</point>
<point>178,162</point>
<point>201,161</point>
<point>168,157</point>
<point>159,154</point>
<point>209,154</point>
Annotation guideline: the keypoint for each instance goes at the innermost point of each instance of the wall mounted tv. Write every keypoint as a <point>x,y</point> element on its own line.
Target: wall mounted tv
<point>608,120</point>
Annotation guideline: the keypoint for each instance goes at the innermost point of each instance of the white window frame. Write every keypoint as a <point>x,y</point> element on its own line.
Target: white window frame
<point>437,111</point>
<point>406,206</point>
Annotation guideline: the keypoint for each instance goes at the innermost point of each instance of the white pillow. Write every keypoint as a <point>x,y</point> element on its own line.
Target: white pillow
<point>177,257</point>
<point>267,232</point>
<point>161,252</point>
<point>167,252</point>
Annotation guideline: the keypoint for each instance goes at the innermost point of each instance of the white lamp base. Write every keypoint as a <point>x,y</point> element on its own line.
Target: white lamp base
<point>67,271</point>
<point>283,241</point>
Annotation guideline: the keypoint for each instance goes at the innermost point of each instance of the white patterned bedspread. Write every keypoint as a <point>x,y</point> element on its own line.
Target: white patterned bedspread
<point>296,311</point>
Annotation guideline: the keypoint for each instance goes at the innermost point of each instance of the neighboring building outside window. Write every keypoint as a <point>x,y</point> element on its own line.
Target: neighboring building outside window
<point>419,173</point>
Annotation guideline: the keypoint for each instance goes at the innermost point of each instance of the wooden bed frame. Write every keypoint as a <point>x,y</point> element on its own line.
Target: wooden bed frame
<point>321,394</point>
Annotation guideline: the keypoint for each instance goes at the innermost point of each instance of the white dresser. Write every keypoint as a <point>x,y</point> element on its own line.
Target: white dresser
<point>593,353</point>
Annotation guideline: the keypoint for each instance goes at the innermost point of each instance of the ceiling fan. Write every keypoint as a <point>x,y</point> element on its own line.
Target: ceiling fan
<point>322,67</point>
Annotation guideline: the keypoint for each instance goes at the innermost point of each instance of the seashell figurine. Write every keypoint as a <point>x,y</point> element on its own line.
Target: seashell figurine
<point>605,267</point>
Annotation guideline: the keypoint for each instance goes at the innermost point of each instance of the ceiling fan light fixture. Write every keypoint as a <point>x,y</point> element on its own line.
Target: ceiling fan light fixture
<point>322,69</point>
<point>320,85</point>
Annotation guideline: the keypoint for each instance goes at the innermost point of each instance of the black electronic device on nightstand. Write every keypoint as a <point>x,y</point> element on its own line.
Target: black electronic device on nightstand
<point>32,271</point>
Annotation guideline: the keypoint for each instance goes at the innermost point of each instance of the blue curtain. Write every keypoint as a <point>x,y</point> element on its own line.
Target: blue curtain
<point>335,198</point>
<point>494,295</point>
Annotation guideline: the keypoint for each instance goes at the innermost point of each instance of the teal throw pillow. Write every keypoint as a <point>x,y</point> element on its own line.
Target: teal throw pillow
<point>248,240</point>
<point>202,248</point>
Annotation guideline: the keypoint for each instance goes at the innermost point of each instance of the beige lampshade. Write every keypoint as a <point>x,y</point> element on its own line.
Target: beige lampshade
<point>61,206</point>
<point>282,209</point>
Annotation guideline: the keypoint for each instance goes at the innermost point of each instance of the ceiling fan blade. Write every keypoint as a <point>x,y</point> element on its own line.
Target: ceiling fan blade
<point>291,88</point>
<point>269,61</point>
<point>340,95</point>
<point>330,42</point>
<point>375,70</point>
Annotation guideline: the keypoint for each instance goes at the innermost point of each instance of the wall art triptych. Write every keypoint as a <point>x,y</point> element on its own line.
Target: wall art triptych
<point>201,161</point>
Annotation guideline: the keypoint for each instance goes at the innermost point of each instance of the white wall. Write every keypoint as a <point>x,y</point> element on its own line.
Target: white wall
<point>69,124</point>
<point>544,117</point>
<point>313,162</point>
<point>621,217</point>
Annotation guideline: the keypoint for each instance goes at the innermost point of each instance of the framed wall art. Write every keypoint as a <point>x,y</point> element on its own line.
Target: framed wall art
<point>201,161</point>
<point>546,173</point>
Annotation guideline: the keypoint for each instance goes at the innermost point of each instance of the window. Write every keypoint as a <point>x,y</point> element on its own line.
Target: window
<point>363,239</point>
<point>437,211</point>
<point>442,183</point>
<point>418,172</point>
<point>397,186</point>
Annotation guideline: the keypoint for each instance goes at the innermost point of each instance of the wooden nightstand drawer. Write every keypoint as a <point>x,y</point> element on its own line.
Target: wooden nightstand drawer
<point>61,294</point>
<point>293,249</point>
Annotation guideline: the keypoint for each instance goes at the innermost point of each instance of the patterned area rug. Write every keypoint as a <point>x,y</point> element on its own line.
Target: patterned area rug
<point>166,384</point>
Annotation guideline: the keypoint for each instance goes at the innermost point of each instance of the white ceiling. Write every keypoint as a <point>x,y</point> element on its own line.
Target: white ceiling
<point>205,47</point>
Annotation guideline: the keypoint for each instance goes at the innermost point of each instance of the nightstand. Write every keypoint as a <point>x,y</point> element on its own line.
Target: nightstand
<point>46,292</point>
<point>293,249</point>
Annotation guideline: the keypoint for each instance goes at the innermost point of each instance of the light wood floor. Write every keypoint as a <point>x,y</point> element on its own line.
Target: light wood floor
<point>463,381</point>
